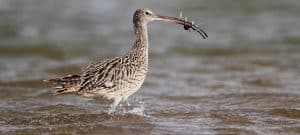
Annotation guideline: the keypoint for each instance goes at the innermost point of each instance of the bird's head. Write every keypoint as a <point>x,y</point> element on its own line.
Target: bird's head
<point>145,16</point>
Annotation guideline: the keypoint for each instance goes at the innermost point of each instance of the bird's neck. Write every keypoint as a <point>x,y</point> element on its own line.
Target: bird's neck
<point>140,47</point>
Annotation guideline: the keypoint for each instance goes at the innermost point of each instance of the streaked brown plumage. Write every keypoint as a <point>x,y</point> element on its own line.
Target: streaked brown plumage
<point>119,77</point>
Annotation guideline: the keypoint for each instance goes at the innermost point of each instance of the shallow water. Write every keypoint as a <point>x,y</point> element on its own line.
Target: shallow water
<point>243,79</point>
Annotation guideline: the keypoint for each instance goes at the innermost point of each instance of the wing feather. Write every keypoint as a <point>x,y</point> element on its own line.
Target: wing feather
<point>101,75</point>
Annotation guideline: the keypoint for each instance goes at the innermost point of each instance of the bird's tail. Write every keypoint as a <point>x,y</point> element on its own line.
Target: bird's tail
<point>66,84</point>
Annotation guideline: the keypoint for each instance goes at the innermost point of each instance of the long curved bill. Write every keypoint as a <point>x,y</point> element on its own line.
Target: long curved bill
<point>182,21</point>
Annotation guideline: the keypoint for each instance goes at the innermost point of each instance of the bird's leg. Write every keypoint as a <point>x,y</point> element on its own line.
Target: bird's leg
<point>114,105</point>
<point>125,99</point>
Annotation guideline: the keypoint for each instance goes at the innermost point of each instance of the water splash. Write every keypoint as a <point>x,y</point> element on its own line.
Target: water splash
<point>131,109</point>
<point>139,110</point>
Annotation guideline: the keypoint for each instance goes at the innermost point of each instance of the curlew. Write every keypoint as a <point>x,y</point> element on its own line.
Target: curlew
<point>118,78</point>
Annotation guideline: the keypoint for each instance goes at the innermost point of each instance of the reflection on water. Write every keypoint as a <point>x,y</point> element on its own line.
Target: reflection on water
<point>243,79</point>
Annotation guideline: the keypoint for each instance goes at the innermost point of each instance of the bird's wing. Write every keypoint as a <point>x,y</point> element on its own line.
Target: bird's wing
<point>104,74</point>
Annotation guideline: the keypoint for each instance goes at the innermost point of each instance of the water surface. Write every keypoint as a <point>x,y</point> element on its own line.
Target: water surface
<point>243,79</point>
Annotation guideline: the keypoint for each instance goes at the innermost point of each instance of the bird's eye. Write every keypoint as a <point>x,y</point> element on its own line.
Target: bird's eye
<point>147,13</point>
